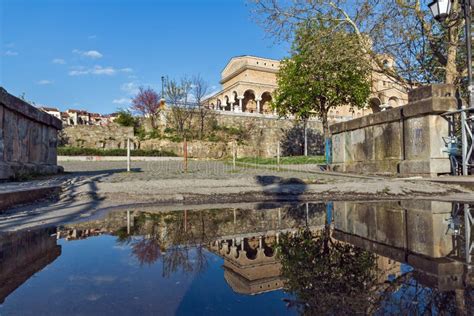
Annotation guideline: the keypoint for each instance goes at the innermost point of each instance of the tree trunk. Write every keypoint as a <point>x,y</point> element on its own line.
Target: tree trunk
<point>324,120</point>
<point>451,69</point>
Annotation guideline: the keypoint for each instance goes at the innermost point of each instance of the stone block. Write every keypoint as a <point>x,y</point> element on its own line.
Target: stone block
<point>388,141</point>
<point>430,91</point>
<point>431,167</point>
<point>426,234</point>
<point>338,148</point>
<point>361,145</point>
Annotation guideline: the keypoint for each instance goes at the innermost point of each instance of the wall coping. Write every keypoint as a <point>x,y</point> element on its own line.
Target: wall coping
<point>23,108</point>
<point>428,100</point>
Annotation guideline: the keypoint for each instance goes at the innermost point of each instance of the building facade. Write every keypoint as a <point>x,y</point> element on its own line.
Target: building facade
<point>248,83</point>
<point>80,117</point>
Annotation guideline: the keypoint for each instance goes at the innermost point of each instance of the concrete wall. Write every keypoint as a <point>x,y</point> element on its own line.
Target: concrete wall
<point>406,140</point>
<point>28,139</point>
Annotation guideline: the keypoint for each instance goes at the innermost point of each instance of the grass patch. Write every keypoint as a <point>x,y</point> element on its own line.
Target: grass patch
<point>293,160</point>
<point>76,151</point>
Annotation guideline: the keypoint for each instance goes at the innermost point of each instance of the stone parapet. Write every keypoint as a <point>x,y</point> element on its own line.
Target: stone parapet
<point>406,140</point>
<point>28,139</point>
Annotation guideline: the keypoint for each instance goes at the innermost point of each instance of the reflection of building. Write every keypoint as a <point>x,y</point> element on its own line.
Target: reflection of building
<point>249,267</point>
<point>248,83</point>
<point>24,254</point>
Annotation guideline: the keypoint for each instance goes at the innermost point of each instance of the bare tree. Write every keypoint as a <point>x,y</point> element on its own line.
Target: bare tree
<point>199,91</point>
<point>179,94</point>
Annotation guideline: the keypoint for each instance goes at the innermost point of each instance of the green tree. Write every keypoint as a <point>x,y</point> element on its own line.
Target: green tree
<point>423,51</point>
<point>125,118</point>
<point>327,69</point>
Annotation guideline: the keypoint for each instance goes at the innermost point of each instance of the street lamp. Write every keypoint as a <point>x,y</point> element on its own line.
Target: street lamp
<point>441,9</point>
<point>162,90</point>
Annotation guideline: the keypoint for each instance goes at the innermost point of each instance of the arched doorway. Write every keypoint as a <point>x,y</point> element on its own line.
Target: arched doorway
<point>249,104</point>
<point>265,104</point>
<point>393,102</point>
<point>227,106</point>
<point>375,104</point>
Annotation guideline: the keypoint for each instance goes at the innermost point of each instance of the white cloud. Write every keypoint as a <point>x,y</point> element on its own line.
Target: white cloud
<point>97,70</point>
<point>121,101</point>
<point>11,53</point>
<point>10,45</point>
<point>130,88</point>
<point>58,61</point>
<point>44,82</point>
<point>92,36</point>
<point>93,54</point>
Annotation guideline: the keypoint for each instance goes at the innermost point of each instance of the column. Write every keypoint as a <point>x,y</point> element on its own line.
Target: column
<point>258,105</point>
<point>240,103</point>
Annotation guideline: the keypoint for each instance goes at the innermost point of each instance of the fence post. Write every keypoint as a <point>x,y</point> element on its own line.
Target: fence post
<point>128,154</point>
<point>278,156</point>
<point>234,154</point>
<point>185,150</point>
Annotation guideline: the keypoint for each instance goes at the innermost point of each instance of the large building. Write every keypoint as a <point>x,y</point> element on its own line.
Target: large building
<point>248,83</point>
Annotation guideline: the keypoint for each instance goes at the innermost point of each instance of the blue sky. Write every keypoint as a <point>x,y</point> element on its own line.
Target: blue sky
<point>94,54</point>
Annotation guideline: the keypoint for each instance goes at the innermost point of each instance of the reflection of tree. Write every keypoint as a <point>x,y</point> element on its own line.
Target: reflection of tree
<point>146,250</point>
<point>327,277</point>
<point>331,277</point>
<point>177,238</point>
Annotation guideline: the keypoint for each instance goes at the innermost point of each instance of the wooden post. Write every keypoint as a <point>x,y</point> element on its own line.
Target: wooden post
<point>185,150</point>
<point>278,156</point>
<point>234,154</point>
<point>128,222</point>
<point>128,154</point>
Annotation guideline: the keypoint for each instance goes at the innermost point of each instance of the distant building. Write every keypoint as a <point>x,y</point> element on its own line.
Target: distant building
<point>248,83</point>
<point>80,117</point>
<point>51,111</point>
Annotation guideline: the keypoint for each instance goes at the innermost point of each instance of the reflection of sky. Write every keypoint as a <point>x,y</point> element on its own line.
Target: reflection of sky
<point>410,297</point>
<point>95,276</point>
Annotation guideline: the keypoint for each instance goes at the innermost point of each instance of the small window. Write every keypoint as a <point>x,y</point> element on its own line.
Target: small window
<point>257,62</point>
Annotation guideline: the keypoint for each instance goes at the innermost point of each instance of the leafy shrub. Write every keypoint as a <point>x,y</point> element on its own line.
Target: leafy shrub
<point>75,151</point>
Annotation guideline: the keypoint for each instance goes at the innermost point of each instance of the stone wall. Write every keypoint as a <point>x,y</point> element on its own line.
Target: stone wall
<point>264,135</point>
<point>406,140</point>
<point>91,136</point>
<point>28,139</point>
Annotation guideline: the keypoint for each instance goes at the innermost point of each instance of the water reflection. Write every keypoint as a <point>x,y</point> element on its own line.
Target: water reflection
<point>24,254</point>
<point>404,257</point>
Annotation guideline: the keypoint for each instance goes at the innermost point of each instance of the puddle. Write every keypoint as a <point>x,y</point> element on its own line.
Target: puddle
<point>405,257</point>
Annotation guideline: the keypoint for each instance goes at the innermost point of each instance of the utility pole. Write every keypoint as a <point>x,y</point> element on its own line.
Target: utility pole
<point>470,88</point>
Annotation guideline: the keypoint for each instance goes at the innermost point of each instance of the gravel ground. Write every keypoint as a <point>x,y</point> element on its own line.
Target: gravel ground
<point>90,188</point>
<point>216,170</point>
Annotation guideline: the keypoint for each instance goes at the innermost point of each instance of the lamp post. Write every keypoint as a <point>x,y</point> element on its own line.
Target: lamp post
<point>441,9</point>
